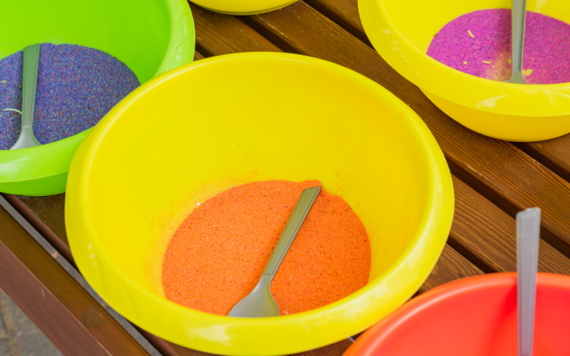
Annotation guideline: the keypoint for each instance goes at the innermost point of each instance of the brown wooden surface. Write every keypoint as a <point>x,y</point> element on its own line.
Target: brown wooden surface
<point>493,179</point>
<point>54,301</point>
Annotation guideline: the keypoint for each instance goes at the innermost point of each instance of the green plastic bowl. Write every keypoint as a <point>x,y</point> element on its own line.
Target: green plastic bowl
<point>151,37</point>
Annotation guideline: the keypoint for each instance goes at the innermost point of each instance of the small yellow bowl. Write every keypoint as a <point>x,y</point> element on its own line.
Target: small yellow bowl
<point>197,130</point>
<point>401,32</point>
<point>243,7</point>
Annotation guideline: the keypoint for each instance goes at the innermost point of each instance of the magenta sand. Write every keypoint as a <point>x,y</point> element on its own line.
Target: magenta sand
<point>479,43</point>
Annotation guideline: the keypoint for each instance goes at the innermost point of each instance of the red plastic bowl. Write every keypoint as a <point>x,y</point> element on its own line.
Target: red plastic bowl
<point>472,317</point>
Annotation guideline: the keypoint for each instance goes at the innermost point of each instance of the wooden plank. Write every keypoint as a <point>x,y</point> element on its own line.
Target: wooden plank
<point>483,230</point>
<point>54,301</point>
<point>554,154</point>
<point>497,169</point>
<point>336,349</point>
<point>215,33</point>
<point>344,13</point>
<point>47,214</point>
<point>450,266</point>
<point>38,210</point>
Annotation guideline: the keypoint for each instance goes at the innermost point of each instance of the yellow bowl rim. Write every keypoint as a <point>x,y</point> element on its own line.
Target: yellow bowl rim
<point>374,16</point>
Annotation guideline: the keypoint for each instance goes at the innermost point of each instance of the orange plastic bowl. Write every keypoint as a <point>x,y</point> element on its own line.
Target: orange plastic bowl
<point>473,317</point>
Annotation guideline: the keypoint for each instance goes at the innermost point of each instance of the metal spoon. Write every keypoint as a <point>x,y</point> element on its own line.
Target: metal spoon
<point>31,64</point>
<point>517,46</point>
<point>260,302</point>
<point>528,231</point>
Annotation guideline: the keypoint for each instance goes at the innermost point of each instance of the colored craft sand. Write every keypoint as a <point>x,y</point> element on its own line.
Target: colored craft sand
<point>479,43</point>
<point>218,254</point>
<point>76,87</point>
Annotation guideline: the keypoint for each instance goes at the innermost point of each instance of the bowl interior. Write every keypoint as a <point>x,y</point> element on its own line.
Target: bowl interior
<point>476,319</point>
<point>239,120</point>
<point>418,21</point>
<point>136,32</point>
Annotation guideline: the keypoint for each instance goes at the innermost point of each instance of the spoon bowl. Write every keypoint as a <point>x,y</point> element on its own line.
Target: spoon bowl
<point>260,302</point>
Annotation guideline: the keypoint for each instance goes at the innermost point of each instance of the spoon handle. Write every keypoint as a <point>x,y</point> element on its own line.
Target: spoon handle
<point>297,218</point>
<point>31,64</point>
<point>528,232</point>
<point>518,19</point>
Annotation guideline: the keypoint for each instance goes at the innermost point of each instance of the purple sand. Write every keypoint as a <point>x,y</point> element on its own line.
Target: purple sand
<point>546,47</point>
<point>76,87</point>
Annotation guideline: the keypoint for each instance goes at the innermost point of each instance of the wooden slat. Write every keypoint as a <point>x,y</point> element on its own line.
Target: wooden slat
<point>450,266</point>
<point>38,210</point>
<point>487,232</point>
<point>555,154</point>
<point>344,13</point>
<point>344,10</point>
<point>54,301</point>
<point>493,239</point>
<point>335,349</point>
<point>499,170</point>
<point>215,34</point>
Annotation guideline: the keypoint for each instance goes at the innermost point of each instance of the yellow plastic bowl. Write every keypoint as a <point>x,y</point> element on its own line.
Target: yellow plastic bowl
<point>243,7</point>
<point>401,32</point>
<point>199,129</point>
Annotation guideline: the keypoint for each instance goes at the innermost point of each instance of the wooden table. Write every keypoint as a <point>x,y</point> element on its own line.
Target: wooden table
<point>493,181</point>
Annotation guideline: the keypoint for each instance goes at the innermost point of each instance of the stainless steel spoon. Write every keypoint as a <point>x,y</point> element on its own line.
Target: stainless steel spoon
<point>260,303</point>
<point>31,64</point>
<point>517,46</point>
<point>528,232</point>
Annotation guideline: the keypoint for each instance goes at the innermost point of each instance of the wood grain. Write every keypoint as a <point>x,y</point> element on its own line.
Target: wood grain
<point>554,154</point>
<point>345,10</point>
<point>487,232</point>
<point>335,349</point>
<point>343,13</point>
<point>41,211</point>
<point>450,266</point>
<point>216,34</point>
<point>54,301</point>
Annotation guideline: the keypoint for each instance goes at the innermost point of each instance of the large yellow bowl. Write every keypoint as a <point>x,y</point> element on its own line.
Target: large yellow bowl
<point>401,32</point>
<point>197,130</point>
<point>243,7</point>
